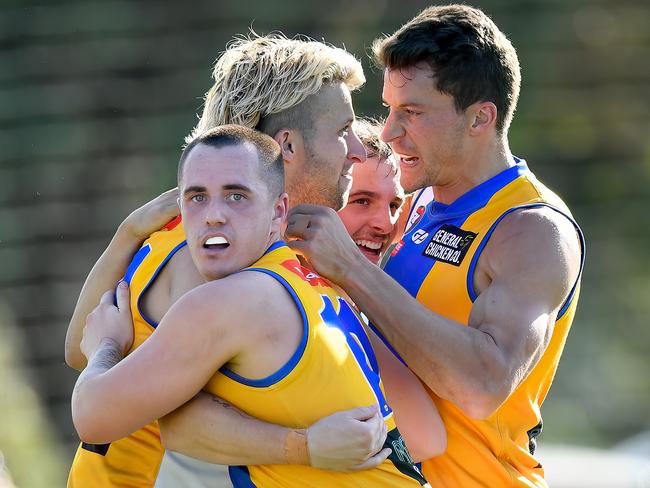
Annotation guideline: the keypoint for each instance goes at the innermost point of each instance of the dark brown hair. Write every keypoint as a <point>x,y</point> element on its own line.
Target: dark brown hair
<point>471,59</point>
<point>271,163</point>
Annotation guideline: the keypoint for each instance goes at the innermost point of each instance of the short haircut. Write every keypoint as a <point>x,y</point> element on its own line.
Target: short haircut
<point>472,60</point>
<point>270,158</point>
<point>262,82</point>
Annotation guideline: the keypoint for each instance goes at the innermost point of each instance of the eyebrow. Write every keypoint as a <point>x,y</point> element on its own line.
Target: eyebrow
<point>231,186</point>
<point>407,104</point>
<point>367,193</point>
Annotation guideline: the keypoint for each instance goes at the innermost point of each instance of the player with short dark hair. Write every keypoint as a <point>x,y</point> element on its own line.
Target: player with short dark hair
<point>264,333</point>
<point>479,295</point>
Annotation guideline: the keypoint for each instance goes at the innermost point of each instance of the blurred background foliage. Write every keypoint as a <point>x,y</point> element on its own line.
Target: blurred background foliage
<point>96,97</point>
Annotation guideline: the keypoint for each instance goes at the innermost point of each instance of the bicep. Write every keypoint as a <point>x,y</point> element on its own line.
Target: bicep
<point>520,327</point>
<point>532,266</point>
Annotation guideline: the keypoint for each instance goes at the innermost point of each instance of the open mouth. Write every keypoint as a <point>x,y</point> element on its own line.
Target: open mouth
<point>371,249</point>
<point>408,162</point>
<point>216,242</point>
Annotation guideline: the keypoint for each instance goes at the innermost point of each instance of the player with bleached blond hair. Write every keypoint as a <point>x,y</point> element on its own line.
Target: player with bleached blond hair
<point>298,92</point>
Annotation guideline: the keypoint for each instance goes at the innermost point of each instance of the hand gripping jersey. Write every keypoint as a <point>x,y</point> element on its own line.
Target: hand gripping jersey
<point>435,262</point>
<point>133,461</point>
<point>333,369</point>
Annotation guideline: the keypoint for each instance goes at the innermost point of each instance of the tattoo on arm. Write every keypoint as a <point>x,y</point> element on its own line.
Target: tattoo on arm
<point>228,406</point>
<point>108,354</point>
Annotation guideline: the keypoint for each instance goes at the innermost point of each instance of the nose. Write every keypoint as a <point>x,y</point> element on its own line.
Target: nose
<point>356,151</point>
<point>215,213</point>
<point>382,221</point>
<point>392,129</point>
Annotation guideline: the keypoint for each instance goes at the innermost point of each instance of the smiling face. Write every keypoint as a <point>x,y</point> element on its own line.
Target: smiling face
<point>230,217</point>
<point>423,128</point>
<point>371,214</point>
<point>328,151</point>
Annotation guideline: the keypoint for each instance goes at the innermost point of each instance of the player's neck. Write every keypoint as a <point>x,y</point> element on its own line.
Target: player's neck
<point>476,168</point>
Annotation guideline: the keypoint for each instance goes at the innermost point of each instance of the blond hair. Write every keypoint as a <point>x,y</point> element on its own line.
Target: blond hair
<point>260,76</point>
<point>368,130</point>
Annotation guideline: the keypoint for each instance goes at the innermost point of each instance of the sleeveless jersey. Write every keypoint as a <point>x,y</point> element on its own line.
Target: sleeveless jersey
<point>334,368</point>
<point>134,460</point>
<point>435,263</point>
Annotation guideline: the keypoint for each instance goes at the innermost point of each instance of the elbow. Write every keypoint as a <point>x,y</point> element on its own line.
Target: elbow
<point>484,404</point>
<point>483,394</point>
<point>90,424</point>
<point>87,428</point>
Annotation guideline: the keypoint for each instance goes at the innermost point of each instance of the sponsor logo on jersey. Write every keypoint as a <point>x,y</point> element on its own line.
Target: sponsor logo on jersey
<point>449,244</point>
<point>419,236</point>
<point>397,248</point>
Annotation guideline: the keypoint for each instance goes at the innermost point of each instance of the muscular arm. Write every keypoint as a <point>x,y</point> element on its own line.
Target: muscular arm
<point>112,264</point>
<point>511,322</point>
<point>170,367</point>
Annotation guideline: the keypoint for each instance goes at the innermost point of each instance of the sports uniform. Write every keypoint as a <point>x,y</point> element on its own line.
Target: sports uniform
<point>435,263</point>
<point>334,368</point>
<point>133,461</point>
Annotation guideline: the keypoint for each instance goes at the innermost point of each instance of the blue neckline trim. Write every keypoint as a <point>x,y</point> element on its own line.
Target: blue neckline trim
<point>148,319</point>
<point>478,196</point>
<point>274,246</point>
<point>296,356</point>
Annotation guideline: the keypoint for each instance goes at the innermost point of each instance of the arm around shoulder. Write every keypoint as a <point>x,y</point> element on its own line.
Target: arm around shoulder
<point>112,265</point>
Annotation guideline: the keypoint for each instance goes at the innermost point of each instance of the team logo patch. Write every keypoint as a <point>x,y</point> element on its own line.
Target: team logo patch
<point>449,244</point>
<point>416,217</point>
<point>305,274</point>
<point>419,236</point>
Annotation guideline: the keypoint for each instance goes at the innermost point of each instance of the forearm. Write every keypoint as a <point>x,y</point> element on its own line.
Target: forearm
<point>88,398</point>
<point>105,274</point>
<point>457,362</point>
<point>227,436</point>
<point>416,415</point>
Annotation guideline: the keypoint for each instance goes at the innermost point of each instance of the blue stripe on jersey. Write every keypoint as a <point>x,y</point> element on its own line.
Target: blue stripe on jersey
<point>386,343</point>
<point>358,342</point>
<point>409,268</point>
<point>138,257</point>
<point>149,320</point>
<point>297,355</point>
<point>274,246</point>
<point>470,272</point>
<point>240,477</point>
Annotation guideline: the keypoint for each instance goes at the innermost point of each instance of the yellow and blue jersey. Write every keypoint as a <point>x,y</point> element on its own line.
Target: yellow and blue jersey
<point>334,368</point>
<point>135,460</point>
<point>435,262</point>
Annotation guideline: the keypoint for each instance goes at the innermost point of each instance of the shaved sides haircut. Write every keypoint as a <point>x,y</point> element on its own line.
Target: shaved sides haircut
<point>264,82</point>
